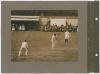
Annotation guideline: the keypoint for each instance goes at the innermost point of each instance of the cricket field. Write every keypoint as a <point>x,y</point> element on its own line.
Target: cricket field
<point>39,47</point>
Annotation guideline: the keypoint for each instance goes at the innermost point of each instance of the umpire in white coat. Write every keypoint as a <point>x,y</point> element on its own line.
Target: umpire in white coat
<point>67,37</point>
<point>54,40</point>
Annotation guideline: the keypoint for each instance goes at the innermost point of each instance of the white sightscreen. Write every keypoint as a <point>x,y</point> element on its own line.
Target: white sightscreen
<point>58,22</point>
<point>73,22</point>
<point>44,21</point>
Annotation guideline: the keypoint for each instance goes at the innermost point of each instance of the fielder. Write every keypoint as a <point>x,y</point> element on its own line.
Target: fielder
<point>23,46</point>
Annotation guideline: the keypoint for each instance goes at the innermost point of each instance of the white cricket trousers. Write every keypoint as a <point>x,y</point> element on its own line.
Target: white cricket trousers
<point>53,44</point>
<point>21,51</point>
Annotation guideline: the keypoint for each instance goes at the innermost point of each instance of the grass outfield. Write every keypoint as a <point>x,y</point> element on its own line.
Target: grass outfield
<point>40,46</point>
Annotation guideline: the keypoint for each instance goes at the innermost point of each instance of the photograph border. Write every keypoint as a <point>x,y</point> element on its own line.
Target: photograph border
<point>43,67</point>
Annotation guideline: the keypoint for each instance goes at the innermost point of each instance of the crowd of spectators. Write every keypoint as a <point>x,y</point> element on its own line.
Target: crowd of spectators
<point>55,28</point>
<point>45,28</point>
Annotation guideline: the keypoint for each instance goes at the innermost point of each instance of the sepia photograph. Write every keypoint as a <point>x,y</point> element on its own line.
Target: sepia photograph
<point>44,35</point>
